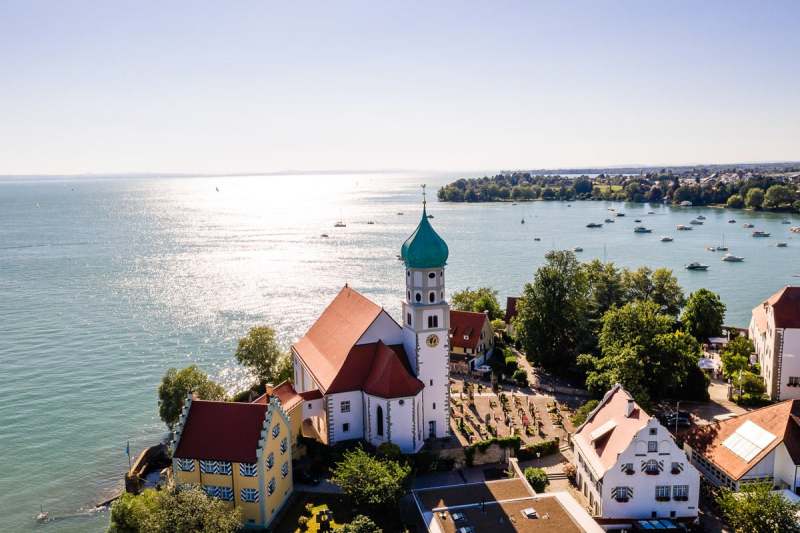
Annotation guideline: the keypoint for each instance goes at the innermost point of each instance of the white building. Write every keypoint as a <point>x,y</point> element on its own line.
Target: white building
<point>374,379</point>
<point>629,467</point>
<point>775,332</point>
<point>762,445</point>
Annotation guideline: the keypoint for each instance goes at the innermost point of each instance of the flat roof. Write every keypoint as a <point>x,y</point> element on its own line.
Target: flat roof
<point>497,506</point>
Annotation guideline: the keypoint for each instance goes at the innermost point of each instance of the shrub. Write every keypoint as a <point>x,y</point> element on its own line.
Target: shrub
<point>583,411</point>
<point>537,478</point>
<point>570,471</point>
<point>521,377</point>
<point>302,523</point>
<point>548,447</point>
<point>361,524</point>
<point>370,481</point>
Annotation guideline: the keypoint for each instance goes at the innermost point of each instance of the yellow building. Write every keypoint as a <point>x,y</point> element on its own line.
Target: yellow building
<point>292,404</point>
<point>237,452</point>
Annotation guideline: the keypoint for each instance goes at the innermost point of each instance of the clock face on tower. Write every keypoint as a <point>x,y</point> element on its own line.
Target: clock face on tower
<point>432,340</point>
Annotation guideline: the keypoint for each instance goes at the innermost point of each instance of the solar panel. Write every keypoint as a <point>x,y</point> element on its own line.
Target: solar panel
<point>748,440</point>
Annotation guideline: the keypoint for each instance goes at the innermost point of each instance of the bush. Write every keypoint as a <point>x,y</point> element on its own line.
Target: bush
<point>570,471</point>
<point>537,478</point>
<point>361,524</point>
<point>521,377</point>
<point>548,447</point>
<point>370,481</point>
<point>583,411</point>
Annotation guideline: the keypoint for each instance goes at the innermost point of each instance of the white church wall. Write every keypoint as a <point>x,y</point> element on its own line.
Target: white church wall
<point>352,415</point>
<point>385,329</point>
<point>785,469</point>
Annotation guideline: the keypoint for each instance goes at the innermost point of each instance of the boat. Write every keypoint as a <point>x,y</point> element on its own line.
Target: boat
<point>370,222</point>
<point>696,266</point>
<point>795,229</point>
<point>786,221</point>
<point>324,235</point>
<point>681,227</point>
<point>400,213</point>
<point>711,248</point>
<point>641,229</point>
<point>651,212</point>
<point>637,220</point>
<point>42,516</point>
<point>666,238</point>
<point>686,203</point>
<point>609,221</point>
<point>781,245</point>
<point>758,233</point>
<point>701,217</point>
<point>577,249</point>
<point>730,258</point>
<point>515,203</point>
<point>340,224</point>
<point>430,216</point>
<point>732,221</point>
<point>611,209</point>
<point>522,221</point>
<point>747,225</point>
<point>722,247</point>
<point>696,222</point>
<point>620,214</point>
<point>537,239</point>
<point>594,225</point>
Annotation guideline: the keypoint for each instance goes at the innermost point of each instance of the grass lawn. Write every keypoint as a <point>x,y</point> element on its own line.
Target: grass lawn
<point>339,507</point>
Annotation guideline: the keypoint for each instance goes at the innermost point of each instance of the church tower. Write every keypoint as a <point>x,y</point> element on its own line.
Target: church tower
<point>426,324</point>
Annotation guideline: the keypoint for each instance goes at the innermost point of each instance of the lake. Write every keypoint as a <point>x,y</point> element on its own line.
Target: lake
<point>106,283</point>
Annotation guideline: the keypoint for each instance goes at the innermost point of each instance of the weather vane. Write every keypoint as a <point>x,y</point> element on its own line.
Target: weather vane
<point>423,195</point>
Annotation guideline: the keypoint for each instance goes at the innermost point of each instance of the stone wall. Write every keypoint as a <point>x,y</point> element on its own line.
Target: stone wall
<point>493,454</point>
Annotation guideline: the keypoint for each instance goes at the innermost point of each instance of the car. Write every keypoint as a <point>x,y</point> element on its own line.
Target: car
<point>683,420</point>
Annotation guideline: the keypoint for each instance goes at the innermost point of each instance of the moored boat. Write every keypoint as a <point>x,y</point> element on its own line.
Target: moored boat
<point>759,233</point>
<point>609,221</point>
<point>696,266</point>
<point>696,222</point>
<point>730,258</point>
<point>732,221</point>
<point>641,229</point>
<point>781,245</point>
<point>666,238</point>
<point>577,249</point>
<point>747,225</point>
<point>681,227</point>
<point>594,225</point>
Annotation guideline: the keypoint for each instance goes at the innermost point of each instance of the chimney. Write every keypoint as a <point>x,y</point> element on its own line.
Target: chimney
<point>629,408</point>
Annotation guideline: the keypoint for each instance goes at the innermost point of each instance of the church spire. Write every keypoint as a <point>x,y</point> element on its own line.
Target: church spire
<point>424,248</point>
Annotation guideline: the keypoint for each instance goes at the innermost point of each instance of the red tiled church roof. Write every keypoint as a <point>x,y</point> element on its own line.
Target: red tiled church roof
<point>466,324</point>
<point>390,376</point>
<point>222,431</point>
<point>327,345</point>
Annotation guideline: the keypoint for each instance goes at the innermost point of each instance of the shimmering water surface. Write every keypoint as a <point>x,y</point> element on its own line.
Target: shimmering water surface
<point>105,283</point>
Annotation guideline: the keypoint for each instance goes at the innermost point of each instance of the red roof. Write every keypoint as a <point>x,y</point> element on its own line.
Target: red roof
<point>222,431</point>
<point>390,376</point>
<point>285,394</point>
<point>466,324</point>
<point>327,345</point>
<point>786,307</point>
<point>311,395</point>
<point>511,308</point>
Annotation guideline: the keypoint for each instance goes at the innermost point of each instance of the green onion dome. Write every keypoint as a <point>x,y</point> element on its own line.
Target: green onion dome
<point>424,248</point>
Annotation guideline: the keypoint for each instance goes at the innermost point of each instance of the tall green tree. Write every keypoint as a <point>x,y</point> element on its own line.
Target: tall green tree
<point>703,315</point>
<point>551,320</point>
<point>659,286</point>
<point>735,201</point>
<point>260,352</point>
<point>477,301</point>
<point>778,196</point>
<point>755,198</point>
<point>177,384</point>
<point>735,355</point>
<point>370,481</point>
<point>756,509</point>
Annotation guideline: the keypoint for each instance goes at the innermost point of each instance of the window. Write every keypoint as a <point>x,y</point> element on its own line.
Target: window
<point>418,297</point>
<point>344,407</point>
<point>185,465</point>
<point>284,445</point>
<point>653,431</point>
<point>677,468</point>
<point>222,468</point>
<point>248,469</point>
<point>431,297</point>
<point>276,431</point>
<point>408,295</point>
<point>250,495</point>
<point>222,493</point>
<point>434,405</point>
<point>622,494</point>
<point>431,383</point>
<point>652,446</point>
<point>433,321</point>
<point>628,468</point>
<point>680,492</point>
<point>379,416</point>
<point>652,467</point>
<point>345,427</point>
<point>285,469</point>
<point>431,275</point>
<point>794,381</point>
<point>270,462</point>
<point>403,402</point>
<point>271,486</point>
<point>662,493</point>
<point>408,318</point>
<point>408,273</point>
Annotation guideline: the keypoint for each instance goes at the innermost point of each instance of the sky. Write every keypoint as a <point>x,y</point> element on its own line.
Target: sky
<point>223,87</point>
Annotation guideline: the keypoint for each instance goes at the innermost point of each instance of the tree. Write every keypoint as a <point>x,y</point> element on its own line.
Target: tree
<point>177,384</point>
<point>755,198</point>
<point>361,524</point>
<point>778,196</point>
<point>184,510</point>
<point>756,509</point>
<point>537,478</point>
<point>551,313</point>
<point>735,201</point>
<point>477,301</point>
<point>370,481</point>
<point>752,385</point>
<point>640,350</point>
<point>583,185</point>
<point>659,286</point>
<point>605,287</point>
<point>259,351</point>
<point>579,417</point>
<point>736,355</point>
<point>703,315</point>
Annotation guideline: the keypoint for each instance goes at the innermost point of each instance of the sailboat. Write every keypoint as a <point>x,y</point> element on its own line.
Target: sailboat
<point>722,248</point>
<point>339,223</point>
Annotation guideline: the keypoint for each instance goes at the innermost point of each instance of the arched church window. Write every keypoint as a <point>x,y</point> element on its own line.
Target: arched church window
<point>433,321</point>
<point>408,318</point>
<point>380,421</point>
<point>432,296</point>
<point>408,273</point>
<point>408,294</point>
<point>418,297</point>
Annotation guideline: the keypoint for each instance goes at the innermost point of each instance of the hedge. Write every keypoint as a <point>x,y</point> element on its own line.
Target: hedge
<point>513,442</point>
<point>548,447</point>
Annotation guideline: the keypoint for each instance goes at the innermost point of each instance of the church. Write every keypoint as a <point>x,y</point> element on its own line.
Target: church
<point>363,375</point>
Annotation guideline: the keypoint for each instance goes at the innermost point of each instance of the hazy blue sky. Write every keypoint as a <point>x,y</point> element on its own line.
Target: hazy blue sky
<point>263,86</point>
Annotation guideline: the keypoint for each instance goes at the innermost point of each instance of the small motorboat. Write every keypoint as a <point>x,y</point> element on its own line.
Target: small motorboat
<point>711,248</point>
<point>666,238</point>
<point>340,224</point>
<point>681,227</point>
<point>747,225</point>
<point>522,221</point>
<point>620,214</point>
<point>651,213</point>
<point>730,258</point>
<point>370,222</point>
<point>781,245</point>
<point>759,233</point>
<point>577,249</point>
<point>324,235</point>
<point>641,229</point>
<point>515,203</point>
<point>594,225</point>
<point>696,222</point>
<point>732,221</point>
<point>786,221</point>
<point>400,213</point>
<point>42,516</point>
<point>609,221</point>
<point>537,239</point>
<point>700,217</point>
<point>722,248</point>
<point>637,220</point>
<point>696,266</point>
